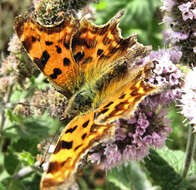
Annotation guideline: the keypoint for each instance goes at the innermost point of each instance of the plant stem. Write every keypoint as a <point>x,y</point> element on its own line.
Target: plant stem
<point>189,151</point>
<point>2,114</point>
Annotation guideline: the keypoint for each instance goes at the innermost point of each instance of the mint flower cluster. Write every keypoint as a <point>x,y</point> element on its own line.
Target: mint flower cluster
<point>9,70</point>
<point>180,17</point>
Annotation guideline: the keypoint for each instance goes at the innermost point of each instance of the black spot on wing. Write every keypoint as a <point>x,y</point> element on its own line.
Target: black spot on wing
<point>41,62</point>
<point>79,56</point>
<point>134,92</point>
<point>77,147</point>
<point>107,105</point>
<point>66,144</point>
<point>122,96</point>
<point>83,136</point>
<point>99,52</point>
<point>66,61</point>
<point>63,145</point>
<point>66,44</point>
<point>48,43</point>
<point>56,73</point>
<point>71,130</point>
<point>85,124</point>
<point>102,112</point>
<point>53,167</point>
<point>33,39</point>
<point>58,49</point>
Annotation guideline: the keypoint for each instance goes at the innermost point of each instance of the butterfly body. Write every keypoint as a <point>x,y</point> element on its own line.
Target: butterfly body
<point>92,94</point>
<point>95,68</point>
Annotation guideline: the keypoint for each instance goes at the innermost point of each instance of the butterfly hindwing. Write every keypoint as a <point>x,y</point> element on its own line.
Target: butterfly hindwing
<point>77,138</point>
<point>127,96</point>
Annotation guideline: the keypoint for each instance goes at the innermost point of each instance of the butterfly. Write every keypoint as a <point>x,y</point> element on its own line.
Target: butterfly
<point>96,69</point>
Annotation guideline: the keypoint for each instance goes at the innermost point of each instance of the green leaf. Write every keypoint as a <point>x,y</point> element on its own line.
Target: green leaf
<point>32,182</point>
<point>11,163</point>
<point>163,174</point>
<point>128,176</point>
<point>13,184</point>
<point>26,158</point>
<point>179,129</point>
<point>36,127</point>
<point>13,117</point>
<point>26,144</point>
<point>3,172</point>
<point>176,160</point>
<point>3,187</point>
<point>17,95</point>
<point>101,5</point>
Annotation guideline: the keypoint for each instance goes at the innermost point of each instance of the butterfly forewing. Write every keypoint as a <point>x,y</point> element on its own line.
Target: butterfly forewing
<point>49,49</point>
<point>94,47</point>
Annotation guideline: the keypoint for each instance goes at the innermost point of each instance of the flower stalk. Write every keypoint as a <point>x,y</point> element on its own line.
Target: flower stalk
<point>2,114</point>
<point>190,148</point>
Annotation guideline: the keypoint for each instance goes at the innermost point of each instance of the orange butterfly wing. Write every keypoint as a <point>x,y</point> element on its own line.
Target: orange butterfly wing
<point>95,47</point>
<point>124,99</point>
<point>70,51</point>
<point>76,139</point>
<point>49,49</point>
<point>84,131</point>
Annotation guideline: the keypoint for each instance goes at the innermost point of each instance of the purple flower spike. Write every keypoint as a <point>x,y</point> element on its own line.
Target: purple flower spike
<point>120,134</point>
<point>178,36</point>
<point>186,12</point>
<point>175,54</point>
<point>113,156</point>
<point>95,158</point>
<point>140,130</point>
<point>142,121</point>
<point>180,18</point>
